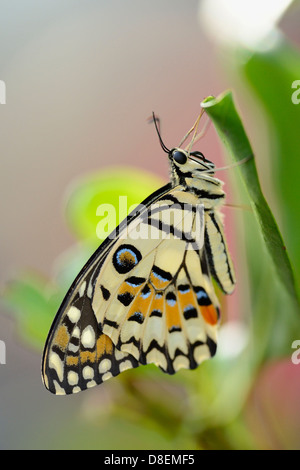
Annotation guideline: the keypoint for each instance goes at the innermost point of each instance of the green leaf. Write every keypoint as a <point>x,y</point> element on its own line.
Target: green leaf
<point>34,301</point>
<point>228,124</point>
<point>98,202</point>
<point>282,117</point>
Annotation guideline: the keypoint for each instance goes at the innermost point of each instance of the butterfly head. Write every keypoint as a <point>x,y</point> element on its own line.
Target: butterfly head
<point>189,161</point>
<point>189,165</point>
<point>185,162</point>
<point>186,165</point>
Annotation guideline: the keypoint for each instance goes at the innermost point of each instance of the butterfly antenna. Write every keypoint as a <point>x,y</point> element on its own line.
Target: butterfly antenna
<point>189,147</point>
<point>238,206</point>
<point>202,132</point>
<point>232,165</point>
<point>193,128</point>
<point>188,133</point>
<point>156,121</point>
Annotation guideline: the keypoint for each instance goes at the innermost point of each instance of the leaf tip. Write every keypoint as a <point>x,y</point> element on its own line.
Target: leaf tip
<point>207,101</point>
<point>210,101</point>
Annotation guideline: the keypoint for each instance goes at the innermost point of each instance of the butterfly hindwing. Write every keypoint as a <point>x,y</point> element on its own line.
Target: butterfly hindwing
<point>145,313</point>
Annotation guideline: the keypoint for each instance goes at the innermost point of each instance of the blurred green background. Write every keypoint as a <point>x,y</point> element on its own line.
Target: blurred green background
<point>82,79</point>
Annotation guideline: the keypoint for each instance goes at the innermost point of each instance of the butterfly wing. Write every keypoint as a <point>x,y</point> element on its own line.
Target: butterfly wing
<point>159,304</point>
<point>144,297</point>
<point>172,318</point>
<point>79,355</point>
<point>76,346</point>
<point>217,252</point>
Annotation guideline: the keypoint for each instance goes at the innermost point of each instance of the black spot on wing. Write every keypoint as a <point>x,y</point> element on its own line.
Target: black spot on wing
<point>111,323</point>
<point>156,313</point>
<point>202,297</point>
<point>135,281</point>
<point>184,288</point>
<point>173,329</point>
<point>171,298</point>
<point>190,312</point>
<point>145,291</point>
<point>137,317</point>
<point>161,274</point>
<point>125,298</point>
<point>105,292</point>
<point>211,346</point>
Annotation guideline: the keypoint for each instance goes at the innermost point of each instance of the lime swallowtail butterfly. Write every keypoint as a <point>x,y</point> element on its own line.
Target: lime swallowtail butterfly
<point>151,299</point>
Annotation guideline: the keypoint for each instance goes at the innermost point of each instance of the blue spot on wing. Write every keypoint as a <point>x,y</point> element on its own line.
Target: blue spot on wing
<point>202,296</point>
<point>125,251</point>
<point>171,299</point>
<point>146,292</point>
<point>161,274</point>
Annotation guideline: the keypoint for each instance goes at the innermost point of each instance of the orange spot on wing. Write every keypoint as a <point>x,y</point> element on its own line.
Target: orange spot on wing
<point>173,316</point>
<point>158,304</point>
<point>141,303</point>
<point>186,299</point>
<point>104,345</point>
<point>124,288</point>
<point>87,356</point>
<point>72,360</point>
<point>158,284</point>
<point>62,338</point>
<point>127,257</point>
<point>210,314</point>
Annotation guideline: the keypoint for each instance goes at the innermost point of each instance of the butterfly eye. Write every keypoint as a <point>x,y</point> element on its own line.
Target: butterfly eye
<point>179,157</point>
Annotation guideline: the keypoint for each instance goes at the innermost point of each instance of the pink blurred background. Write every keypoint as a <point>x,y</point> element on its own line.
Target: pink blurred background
<point>82,78</point>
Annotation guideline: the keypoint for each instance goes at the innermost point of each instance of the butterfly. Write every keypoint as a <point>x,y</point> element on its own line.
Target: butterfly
<point>148,299</point>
